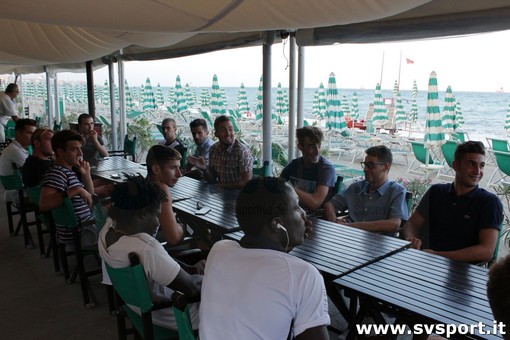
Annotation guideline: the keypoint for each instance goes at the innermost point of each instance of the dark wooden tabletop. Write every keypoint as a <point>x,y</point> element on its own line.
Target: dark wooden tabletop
<point>115,169</point>
<point>337,250</point>
<point>427,288</point>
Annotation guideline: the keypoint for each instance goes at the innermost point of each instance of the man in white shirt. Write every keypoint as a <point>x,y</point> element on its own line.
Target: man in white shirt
<point>254,289</point>
<point>8,107</point>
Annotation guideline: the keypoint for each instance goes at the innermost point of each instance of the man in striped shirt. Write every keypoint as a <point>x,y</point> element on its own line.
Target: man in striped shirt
<point>62,181</point>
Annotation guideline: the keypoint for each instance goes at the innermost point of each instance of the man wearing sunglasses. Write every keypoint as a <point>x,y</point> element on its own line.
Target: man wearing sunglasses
<point>374,204</point>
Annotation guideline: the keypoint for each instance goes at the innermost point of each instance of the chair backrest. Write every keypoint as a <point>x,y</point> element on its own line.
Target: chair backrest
<point>499,144</point>
<point>184,156</point>
<point>448,150</point>
<point>420,153</point>
<point>10,129</point>
<point>503,161</point>
<point>57,127</point>
<point>262,171</point>
<point>12,182</point>
<point>339,184</point>
<point>130,147</point>
<point>458,135</point>
<point>64,214</point>
<point>182,317</point>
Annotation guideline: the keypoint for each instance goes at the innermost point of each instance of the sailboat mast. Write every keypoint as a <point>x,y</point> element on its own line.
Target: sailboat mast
<point>399,68</point>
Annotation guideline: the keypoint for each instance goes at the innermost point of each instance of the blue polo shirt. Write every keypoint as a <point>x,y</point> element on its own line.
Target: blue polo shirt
<point>388,201</point>
<point>454,222</point>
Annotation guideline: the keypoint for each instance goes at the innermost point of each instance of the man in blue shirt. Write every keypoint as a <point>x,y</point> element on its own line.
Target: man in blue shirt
<point>460,220</point>
<point>374,204</point>
<point>312,176</point>
<point>201,138</point>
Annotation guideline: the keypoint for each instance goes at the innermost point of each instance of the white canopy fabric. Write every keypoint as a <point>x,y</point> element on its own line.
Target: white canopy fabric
<point>63,34</point>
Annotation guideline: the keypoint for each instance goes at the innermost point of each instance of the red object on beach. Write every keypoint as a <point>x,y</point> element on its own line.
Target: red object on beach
<point>359,124</point>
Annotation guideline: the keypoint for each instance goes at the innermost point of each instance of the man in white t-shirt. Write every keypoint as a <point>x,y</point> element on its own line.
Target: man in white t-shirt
<point>254,289</point>
<point>8,107</point>
<point>133,219</point>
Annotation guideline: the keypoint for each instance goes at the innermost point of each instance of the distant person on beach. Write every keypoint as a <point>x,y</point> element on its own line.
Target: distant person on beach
<point>201,138</point>
<point>277,295</point>
<point>169,129</point>
<point>374,204</point>
<point>8,107</point>
<point>41,158</point>
<point>163,164</point>
<point>230,161</point>
<point>312,176</point>
<point>458,220</point>
<point>93,148</point>
<point>16,152</point>
<point>499,294</point>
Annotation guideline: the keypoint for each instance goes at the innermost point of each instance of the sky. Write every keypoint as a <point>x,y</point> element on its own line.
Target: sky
<point>470,63</point>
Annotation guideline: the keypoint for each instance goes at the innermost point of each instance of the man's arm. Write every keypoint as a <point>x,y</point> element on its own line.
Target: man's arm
<point>245,177</point>
<point>389,225</point>
<point>411,229</point>
<point>52,198</point>
<point>313,200</point>
<point>99,147</point>
<point>483,251</point>
<point>330,211</point>
<point>314,333</point>
<point>189,285</point>
<point>172,230</point>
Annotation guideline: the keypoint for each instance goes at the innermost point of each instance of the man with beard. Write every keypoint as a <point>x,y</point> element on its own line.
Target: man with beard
<point>93,148</point>
<point>230,161</point>
<point>41,158</point>
<point>201,138</point>
<point>374,204</point>
<point>461,220</point>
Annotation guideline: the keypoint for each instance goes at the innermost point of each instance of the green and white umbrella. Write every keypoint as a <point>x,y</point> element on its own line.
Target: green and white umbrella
<point>149,100</point>
<point>396,89</point>
<point>190,96</point>
<point>160,100</point>
<point>434,135</point>
<point>180,99</point>
<point>217,104</point>
<point>380,116</point>
<point>259,100</point>
<point>315,104</point>
<point>448,110</point>
<point>400,114</point>
<point>459,118</point>
<point>322,101</point>
<point>105,93</point>
<point>355,107</point>
<point>205,99</point>
<point>334,114</point>
<point>130,105</point>
<point>141,94</point>
<point>280,105</point>
<point>345,107</point>
<point>414,91</point>
<point>507,120</point>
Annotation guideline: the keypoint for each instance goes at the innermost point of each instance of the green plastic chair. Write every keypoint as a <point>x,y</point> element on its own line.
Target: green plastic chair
<point>262,171</point>
<point>9,129</point>
<point>64,215</point>
<point>339,184</point>
<point>420,155</point>
<point>131,285</point>
<point>460,136</point>
<point>129,149</point>
<point>503,166</point>
<point>498,144</point>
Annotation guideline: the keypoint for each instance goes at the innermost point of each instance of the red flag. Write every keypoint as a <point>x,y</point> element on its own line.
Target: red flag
<point>409,61</point>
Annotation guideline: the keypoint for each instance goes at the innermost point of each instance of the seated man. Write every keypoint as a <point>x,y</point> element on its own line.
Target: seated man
<point>133,219</point>
<point>163,169</point>
<point>61,181</point>
<point>8,107</point>
<point>230,161</point>
<point>499,294</point>
<point>277,295</point>
<point>201,138</point>
<point>374,204</point>
<point>16,152</point>
<point>462,219</point>
<point>93,148</point>
<point>41,158</point>
<point>169,129</point>
<point>312,176</point>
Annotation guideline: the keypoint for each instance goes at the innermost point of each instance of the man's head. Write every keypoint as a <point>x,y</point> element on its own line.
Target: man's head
<point>163,165</point>
<point>269,206</point>
<point>136,206</point>
<point>85,124</point>
<point>469,163</point>
<point>66,145</point>
<point>199,130</point>
<point>224,130</point>
<point>23,130</point>
<point>41,142</point>
<point>498,292</point>
<point>169,128</point>
<point>377,164</point>
<point>12,90</point>
<point>309,143</point>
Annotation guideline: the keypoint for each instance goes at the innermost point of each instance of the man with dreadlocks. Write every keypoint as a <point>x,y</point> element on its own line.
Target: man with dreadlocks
<point>132,222</point>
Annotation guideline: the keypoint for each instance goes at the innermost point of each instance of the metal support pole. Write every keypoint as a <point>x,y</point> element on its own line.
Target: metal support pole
<point>266,103</point>
<point>48,99</point>
<point>301,86</point>
<point>56,98</point>
<point>90,89</point>
<point>122,98</point>
<point>292,97</point>
<point>113,119</point>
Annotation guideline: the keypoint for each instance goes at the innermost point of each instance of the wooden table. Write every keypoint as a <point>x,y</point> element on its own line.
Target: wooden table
<point>217,206</point>
<point>422,288</point>
<point>337,250</point>
<point>115,169</point>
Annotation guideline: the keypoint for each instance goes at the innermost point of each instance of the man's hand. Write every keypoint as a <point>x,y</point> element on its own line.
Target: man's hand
<point>308,228</point>
<point>84,194</point>
<point>93,134</point>
<point>199,162</point>
<point>84,168</point>
<point>415,242</point>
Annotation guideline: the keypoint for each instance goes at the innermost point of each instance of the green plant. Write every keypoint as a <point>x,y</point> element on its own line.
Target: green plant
<point>418,186</point>
<point>141,128</point>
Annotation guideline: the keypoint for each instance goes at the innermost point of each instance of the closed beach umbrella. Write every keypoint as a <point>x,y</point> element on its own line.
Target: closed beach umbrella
<point>459,118</point>
<point>180,99</point>
<point>395,89</point>
<point>259,100</point>
<point>345,107</point>
<point>355,107</point>
<point>380,116</point>
<point>130,105</point>
<point>448,110</point>
<point>434,136</point>
<point>280,105</point>
<point>315,104</point>
<point>217,105</point>
<point>400,114</point>
<point>413,116</point>
<point>334,114</point>
<point>149,100</point>
<point>322,101</point>
<point>205,99</point>
<point>160,101</point>
<point>190,96</point>
<point>507,120</point>
<point>105,93</point>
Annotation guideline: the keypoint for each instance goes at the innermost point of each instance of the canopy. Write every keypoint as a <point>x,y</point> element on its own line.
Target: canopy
<point>63,34</point>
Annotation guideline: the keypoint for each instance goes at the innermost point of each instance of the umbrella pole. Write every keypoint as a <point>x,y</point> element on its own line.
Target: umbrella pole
<point>427,156</point>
